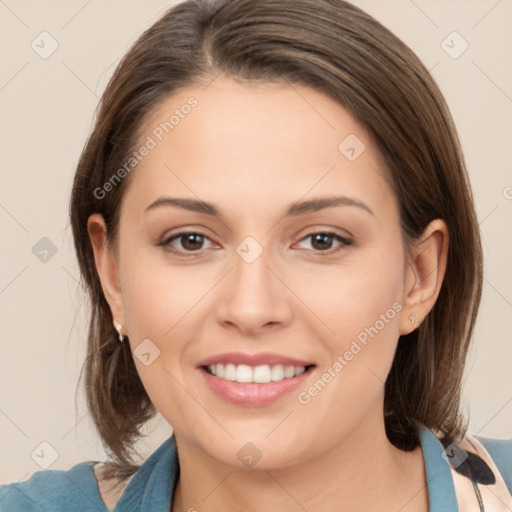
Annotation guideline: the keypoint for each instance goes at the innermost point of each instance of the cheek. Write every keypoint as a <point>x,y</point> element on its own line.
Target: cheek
<point>350,382</point>
<point>159,305</point>
<point>361,305</point>
<point>166,304</point>
<point>365,289</point>
<point>156,296</point>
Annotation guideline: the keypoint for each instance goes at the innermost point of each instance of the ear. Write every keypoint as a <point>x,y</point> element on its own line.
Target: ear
<point>425,270</point>
<point>107,268</point>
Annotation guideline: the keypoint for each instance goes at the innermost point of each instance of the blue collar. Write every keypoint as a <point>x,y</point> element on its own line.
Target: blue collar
<point>441,490</point>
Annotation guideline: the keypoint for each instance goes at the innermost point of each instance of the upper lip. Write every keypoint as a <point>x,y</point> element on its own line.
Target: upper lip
<point>263,358</point>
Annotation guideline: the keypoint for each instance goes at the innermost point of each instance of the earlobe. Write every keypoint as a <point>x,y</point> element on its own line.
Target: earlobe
<point>106,266</point>
<point>425,271</point>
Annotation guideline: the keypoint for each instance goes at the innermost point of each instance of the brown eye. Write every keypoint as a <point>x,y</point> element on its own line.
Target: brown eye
<point>322,241</point>
<point>189,242</point>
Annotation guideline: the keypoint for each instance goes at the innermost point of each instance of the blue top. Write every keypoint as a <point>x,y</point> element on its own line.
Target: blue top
<point>152,487</point>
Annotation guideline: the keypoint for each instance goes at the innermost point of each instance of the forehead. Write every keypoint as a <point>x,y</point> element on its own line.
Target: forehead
<point>248,114</point>
<point>254,140</point>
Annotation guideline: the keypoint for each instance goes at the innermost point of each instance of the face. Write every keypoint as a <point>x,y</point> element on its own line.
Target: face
<point>261,288</point>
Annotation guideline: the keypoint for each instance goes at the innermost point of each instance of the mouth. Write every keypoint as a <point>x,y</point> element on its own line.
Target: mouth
<point>261,374</point>
<point>254,386</point>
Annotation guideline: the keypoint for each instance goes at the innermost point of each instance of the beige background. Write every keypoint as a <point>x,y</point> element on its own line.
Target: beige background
<point>47,107</point>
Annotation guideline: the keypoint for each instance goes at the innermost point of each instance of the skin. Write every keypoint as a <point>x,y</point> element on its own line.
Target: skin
<point>252,150</point>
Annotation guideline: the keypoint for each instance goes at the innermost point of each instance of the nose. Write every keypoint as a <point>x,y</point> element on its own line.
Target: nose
<point>254,297</point>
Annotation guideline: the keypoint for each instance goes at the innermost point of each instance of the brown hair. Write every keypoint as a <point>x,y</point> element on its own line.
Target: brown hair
<point>343,52</point>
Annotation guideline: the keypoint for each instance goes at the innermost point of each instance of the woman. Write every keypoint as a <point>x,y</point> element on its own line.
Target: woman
<point>275,225</point>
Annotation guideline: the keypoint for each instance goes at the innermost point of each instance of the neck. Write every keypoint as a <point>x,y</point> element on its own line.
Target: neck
<point>362,471</point>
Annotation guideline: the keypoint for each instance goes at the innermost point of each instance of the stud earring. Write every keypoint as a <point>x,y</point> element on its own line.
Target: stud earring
<point>412,318</point>
<point>118,327</point>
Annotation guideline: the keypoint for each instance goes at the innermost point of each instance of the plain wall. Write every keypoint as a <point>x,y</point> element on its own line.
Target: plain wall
<point>47,107</point>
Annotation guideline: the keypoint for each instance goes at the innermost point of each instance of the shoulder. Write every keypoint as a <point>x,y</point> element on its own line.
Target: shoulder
<point>500,451</point>
<point>78,489</point>
<point>51,490</point>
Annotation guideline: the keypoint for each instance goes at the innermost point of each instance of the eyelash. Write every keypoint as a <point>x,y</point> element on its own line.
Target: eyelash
<point>166,243</point>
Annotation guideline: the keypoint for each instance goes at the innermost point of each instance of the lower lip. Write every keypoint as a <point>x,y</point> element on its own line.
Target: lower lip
<point>253,394</point>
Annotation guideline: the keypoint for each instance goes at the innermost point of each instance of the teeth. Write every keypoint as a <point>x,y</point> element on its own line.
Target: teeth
<point>262,374</point>
<point>289,372</point>
<point>229,371</point>
<point>277,372</point>
<point>243,373</point>
<point>258,374</point>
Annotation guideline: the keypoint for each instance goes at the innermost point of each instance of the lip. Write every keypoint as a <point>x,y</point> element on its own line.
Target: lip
<point>254,394</point>
<point>262,358</point>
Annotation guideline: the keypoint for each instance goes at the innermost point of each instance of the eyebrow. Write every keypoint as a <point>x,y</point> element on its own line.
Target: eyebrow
<point>294,209</point>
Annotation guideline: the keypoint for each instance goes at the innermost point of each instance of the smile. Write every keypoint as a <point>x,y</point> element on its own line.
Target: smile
<point>261,374</point>
<point>254,386</point>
